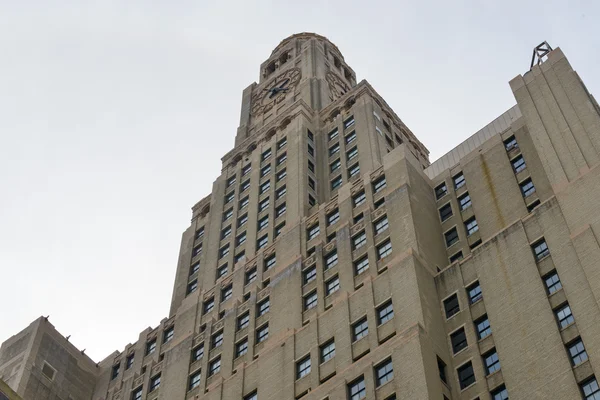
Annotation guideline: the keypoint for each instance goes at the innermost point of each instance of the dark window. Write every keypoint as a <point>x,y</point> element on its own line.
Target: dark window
<point>577,352</point>
<point>241,239</point>
<point>334,149</point>
<point>227,214</point>
<point>240,256</point>
<point>385,312</point>
<point>281,159</point>
<point>242,220</point>
<point>471,226</point>
<point>491,362</point>
<point>451,237</point>
<point>224,251</point>
<point>115,371</point>
<point>265,170</point>
<point>263,222</point>
<point>137,394</point>
<point>361,265</point>
<point>354,170</point>
<point>168,334</point>
<point>379,184</point>
<point>241,348</point>
<point>154,383</point>
<point>264,187</point>
<point>384,249</point>
<point>129,361</point>
<point>474,292</point>
<point>280,192</point>
<point>464,201</point>
<point>311,151</point>
<point>229,197</point>
<point>381,225</point>
<point>459,180</point>
<point>270,262</point>
<point>217,339</point>
<point>349,122</point>
<point>564,316</point>
<point>265,155</point>
<point>455,257</point>
<point>199,233</point>
<point>360,329</point>
<point>310,135</point>
<point>350,154</point>
<point>332,285</point>
<point>262,242</point>
<point>384,372</point>
<point>262,333</point>
<point>331,259</point>
<point>281,174</point>
<point>552,282</point>
<point>251,396</point>
<point>441,190</point>
<point>194,380</point>
<point>197,353</point>
<point>243,321</point>
<point>312,232</point>
<point>225,233</point>
<point>230,181</point>
<point>192,286</point>
<point>214,366</point>
<point>208,305</point>
<point>333,217</point>
<point>527,187</point>
<point>350,137</point>
<point>466,375</point>
<point>451,306</point>
<point>334,166</point>
<point>327,351</point>
<point>510,143</point>
<point>150,347</point>
<point>310,301</point>
<point>303,367</point>
<point>337,182</point>
<point>333,134</point>
<point>311,166</point>
<point>590,389</point>
<point>482,327</point>
<point>226,292</point>
<point>357,218</point>
<point>311,183</point>
<point>442,370</point>
<point>246,170</point>
<point>331,237</point>
<point>540,249</point>
<point>194,268</point>
<point>359,199</point>
<point>244,185</point>
<point>458,340</point>
<point>357,389</point>
<point>250,275</point>
<point>263,307</point>
<point>197,250</point>
<point>263,205</point>
<point>534,204</point>
<point>445,212</point>
<point>499,393</point>
<point>359,240</point>
<point>309,275</point>
<point>518,164</point>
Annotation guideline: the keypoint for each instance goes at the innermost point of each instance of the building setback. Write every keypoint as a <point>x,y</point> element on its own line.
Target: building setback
<point>333,261</point>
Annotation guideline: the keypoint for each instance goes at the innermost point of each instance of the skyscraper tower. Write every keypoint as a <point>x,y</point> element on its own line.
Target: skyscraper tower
<point>333,261</point>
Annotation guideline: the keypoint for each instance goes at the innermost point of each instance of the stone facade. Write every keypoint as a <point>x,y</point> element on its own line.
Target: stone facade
<point>333,261</point>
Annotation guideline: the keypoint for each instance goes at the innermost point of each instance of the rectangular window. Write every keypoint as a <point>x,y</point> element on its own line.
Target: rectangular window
<point>263,205</point>
<point>333,217</point>
<point>208,305</point>
<point>381,225</point>
<point>197,250</point>
<point>331,259</point>
<point>564,316</point>
<point>227,214</point>
<point>230,181</point>
<point>250,276</point>
<point>199,233</point>
<point>451,306</point>
<point>577,352</point>
<point>241,348</point>
<point>350,154</point>
<point>311,166</point>
<point>129,360</point>
<point>154,383</point>
<point>246,169</point>
<point>354,170</point>
<point>280,192</point>
<point>359,199</point>
<point>262,333</point>
<point>168,334</point>
<point>265,170</point>
<point>263,222</point>
<point>357,389</point>
<point>310,301</point>
<point>226,232</point>
<point>361,265</point>
<point>332,285</point>
<point>229,197</point>
<point>334,166</point>
<point>303,367</point>
<point>464,201</point>
<point>281,159</point>
<point>311,151</point>
<point>350,137</point>
<point>333,134</point>
<point>264,188</point>
<point>334,149</point>
<point>384,372</point>
<point>385,312</point>
<point>270,262</point>
<point>459,340</point>
<point>359,240</point>
<point>240,239</point>
<point>527,188</point>
<point>243,321</point>
<point>309,275</point>
<point>312,232</point>
<point>384,249</point>
<point>455,257</point>
<point>265,155</point>
<point>349,122</point>
<point>379,184</point>
<point>491,362</point>
<point>445,212</point>
<point>262,242</point>
<point>137,394</point>
<point>471,226</point>
<point>310,135</point>
<point>263,307</point>
<point>279,229</point>
<point>552,282</point>
<point>540,249</point>
<point>466,375</point>
<point>441,190</point>
<point>311,183</point>
<point>245,185</point>
<point>510,143</point>
<point>192,286</point>
<point>217,340</point>
<point>197,353</point>
<point>442,370</point>
<point>459,180</point>
<point>242,220</point>
<point>590,389</point>
<point>451,237</point>
<point>337,182</point>
<point>194,381</point>
<point>281,174</point>
<point>226,292</point>
<point>214,366</point>
<point>474,292</point>
<point>115,371</point>
<point>224,251</point>
<point>252,396</point>
<point>533,205</point>
<point>244,202</point>
<point>150,347</point>
<point>327,351</point>
<point>360,329</point>
<point>500,393</point>
<point>482,327</point>
<point>518,164</point>
<point>357,218</point>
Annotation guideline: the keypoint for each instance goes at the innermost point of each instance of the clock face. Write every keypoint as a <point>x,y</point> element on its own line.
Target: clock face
<point>275,91</point>
<point>337,86</point>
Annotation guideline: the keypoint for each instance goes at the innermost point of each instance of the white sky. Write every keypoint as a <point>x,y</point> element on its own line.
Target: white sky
<point>114,116</point>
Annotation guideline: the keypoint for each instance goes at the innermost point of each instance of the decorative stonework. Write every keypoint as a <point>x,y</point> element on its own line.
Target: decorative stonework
<point>357,228</point>
<point>337,86</point>
<point>377,213</point>
<point>264,98</point>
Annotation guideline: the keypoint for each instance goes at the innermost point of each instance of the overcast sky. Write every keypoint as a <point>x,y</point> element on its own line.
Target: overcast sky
<point>114,116</point>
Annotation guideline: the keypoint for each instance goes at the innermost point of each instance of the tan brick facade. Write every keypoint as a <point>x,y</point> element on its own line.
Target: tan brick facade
<point>332,261</point>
